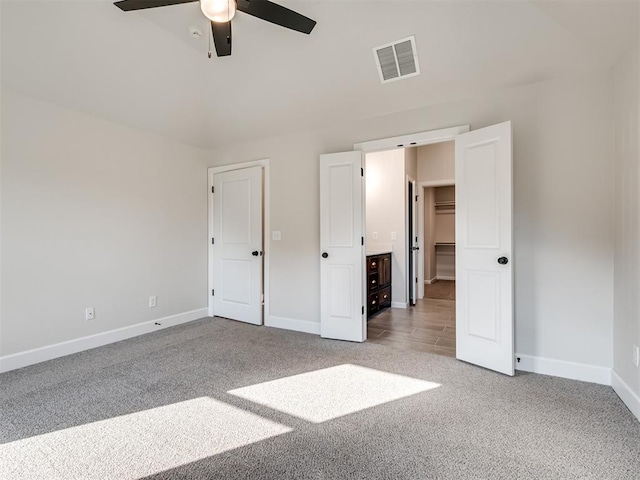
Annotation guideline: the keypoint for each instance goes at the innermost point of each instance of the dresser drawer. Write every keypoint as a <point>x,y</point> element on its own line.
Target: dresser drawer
<point>378,283</point>
<point>372,303</point>
<point>384,297</point>
<point>373,263</point>
<point>373,282</point>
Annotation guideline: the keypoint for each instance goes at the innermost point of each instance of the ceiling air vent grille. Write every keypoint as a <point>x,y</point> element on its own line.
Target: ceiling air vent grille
<point>397,60</point>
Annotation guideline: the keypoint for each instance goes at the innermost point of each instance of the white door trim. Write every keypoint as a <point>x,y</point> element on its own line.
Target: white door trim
<point>211,171</point>
<point>412,140</point>
<point>408,141</point>
<point>420,213</point>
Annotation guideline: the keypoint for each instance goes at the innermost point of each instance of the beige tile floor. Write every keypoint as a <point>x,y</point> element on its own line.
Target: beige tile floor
<point>429,326</point>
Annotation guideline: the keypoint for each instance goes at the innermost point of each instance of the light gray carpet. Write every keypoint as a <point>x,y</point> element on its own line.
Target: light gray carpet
<point>173,404</point>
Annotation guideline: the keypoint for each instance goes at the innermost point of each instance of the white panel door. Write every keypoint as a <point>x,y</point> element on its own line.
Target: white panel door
<point>341,250</point>
<point>484,280</point>
<point>412,244</point>
<point>237,245</point>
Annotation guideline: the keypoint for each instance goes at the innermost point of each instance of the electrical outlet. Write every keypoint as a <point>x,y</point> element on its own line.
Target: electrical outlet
<point>276,235</point>
<point>394,236</point>
<point>153,301</point>
<point>374,235</point>
<point>636,355</point>
<point>89,313</point>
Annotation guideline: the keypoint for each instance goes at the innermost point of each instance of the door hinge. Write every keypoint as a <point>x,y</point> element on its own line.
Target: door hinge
<point>362,240</point>
<point>213,189</point>
<point>361,172</point>
<point>363,309</point>
<point>213,241</point>
<point>262,298</point>
<point>213,292</point>
<point>416,198</point>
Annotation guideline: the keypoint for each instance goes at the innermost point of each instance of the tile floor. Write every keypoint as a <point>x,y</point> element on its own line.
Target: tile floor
<point>429,326</point>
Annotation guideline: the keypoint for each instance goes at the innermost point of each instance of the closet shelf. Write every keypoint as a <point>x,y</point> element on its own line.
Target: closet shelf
<point>445,244</point>
<point>447,207</point>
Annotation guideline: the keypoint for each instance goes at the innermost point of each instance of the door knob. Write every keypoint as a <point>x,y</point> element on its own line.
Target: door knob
<point>255,253</point>
<point>415,248</point>
<point>503,260</point>
<point>325,254</point>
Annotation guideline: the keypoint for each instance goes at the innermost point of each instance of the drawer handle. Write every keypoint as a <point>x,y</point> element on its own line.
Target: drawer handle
<point>373,303</point>
<point>373,282</point>
<point>373,264</point>
<point>385,297</point>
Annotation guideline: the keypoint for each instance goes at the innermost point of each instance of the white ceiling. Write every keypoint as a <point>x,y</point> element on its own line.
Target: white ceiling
<point>142,69</point>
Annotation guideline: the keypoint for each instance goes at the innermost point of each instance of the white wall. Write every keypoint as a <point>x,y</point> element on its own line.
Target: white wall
<point>411,162</point>
<point>562,206</point>
<point>627,216</point>
<point>385,210</point>
<point>95,214</point>
<point>437,161</point>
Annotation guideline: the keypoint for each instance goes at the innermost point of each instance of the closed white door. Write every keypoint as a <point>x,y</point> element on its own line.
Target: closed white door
<point>484,264</point>
<point>237,245</point>
<point>341,253</point>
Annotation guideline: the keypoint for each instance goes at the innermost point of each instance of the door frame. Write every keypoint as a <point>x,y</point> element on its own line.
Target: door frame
<point>407,141</point>
<point>421,187</point>
<point>266,228</point>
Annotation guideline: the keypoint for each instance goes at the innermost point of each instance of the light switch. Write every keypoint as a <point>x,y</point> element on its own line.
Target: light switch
<point>276,235</point>
<point>374,235</point>
<point>394,236</point>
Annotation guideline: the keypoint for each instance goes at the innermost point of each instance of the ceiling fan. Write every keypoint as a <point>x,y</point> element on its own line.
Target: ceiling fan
<point>220,12</point>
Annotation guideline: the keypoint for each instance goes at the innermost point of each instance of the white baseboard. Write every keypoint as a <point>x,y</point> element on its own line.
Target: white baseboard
<point>628,396</point>
<point>445,277</point>
<point>292,324</point>
<point>429,282</point>
<point>561,368</point>
<point>42,354</point>
<point>399,305</point>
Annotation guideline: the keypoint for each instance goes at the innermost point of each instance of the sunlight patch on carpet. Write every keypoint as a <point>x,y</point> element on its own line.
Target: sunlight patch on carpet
<point>332,392</point>
<point>138,444</point>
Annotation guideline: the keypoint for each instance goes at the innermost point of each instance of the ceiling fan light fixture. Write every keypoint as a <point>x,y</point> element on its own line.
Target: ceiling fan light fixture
<point>220,11</point>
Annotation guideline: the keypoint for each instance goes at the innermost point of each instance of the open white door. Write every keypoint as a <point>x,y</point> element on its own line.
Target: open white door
<point>412,244</point>
<point>484,281</point>
<point>341,247</point>
<point>237,245</point>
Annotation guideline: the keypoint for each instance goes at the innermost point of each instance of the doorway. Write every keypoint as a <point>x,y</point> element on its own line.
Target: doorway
<point>421,315</point>
<point>484,290</point>
<point>238,267</point>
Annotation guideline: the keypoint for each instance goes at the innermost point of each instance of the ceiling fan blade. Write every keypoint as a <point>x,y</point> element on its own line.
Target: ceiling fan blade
<point>274,13</point>
<point>222,38</point>
<point>127,5</point>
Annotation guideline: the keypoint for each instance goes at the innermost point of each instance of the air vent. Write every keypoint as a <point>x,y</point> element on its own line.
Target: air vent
<point>397,60</point>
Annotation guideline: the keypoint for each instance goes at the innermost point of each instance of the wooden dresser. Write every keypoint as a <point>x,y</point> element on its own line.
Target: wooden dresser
<point>378,282</point>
